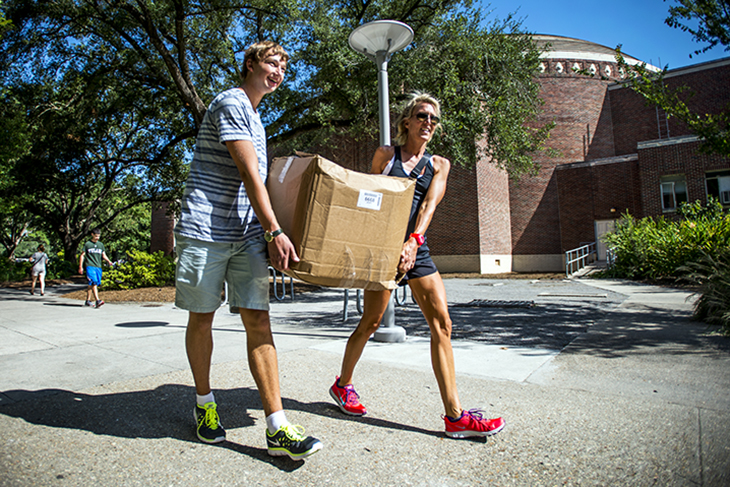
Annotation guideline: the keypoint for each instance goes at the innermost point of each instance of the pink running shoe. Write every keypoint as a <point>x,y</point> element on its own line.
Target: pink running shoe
<point>472,423</point>
<point>347,399</point>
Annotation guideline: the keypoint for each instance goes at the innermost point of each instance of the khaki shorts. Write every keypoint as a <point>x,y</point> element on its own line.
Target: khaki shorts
<point>203,268</point>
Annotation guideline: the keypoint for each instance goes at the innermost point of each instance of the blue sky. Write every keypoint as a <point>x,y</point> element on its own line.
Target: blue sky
<point>638,25</point>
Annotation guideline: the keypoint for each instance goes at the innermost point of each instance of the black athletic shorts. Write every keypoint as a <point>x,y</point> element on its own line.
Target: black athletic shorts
<point>423,267</point>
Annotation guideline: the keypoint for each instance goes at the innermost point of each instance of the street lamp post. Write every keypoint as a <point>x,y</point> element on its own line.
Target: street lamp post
<point>378,40</point>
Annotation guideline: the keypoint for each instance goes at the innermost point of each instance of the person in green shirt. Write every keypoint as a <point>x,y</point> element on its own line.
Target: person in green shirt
<point>93,256</point>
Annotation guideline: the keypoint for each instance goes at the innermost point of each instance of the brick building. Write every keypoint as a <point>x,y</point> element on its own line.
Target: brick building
<point>615,155</point>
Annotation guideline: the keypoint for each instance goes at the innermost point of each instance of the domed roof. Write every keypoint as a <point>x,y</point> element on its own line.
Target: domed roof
<point>570,48</point>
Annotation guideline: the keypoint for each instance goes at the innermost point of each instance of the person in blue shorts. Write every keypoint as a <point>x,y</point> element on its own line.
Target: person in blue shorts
<point>93,255</point>
<point>225,229</point>
<point>415,126</point>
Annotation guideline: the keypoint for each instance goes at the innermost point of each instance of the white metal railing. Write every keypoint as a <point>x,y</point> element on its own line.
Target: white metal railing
<point>577,259</point>
<point>610,257</point>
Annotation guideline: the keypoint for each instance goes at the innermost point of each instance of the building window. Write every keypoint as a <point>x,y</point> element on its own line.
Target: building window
<point>717,185</point>
<point>674,192</point>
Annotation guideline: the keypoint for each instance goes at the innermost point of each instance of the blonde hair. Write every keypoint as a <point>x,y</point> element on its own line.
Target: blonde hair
<point>417,97</point>
<point>259,51</point>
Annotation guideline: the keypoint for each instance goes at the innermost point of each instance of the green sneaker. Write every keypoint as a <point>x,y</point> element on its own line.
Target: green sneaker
<point>289,440</point>
<point>209,428</point>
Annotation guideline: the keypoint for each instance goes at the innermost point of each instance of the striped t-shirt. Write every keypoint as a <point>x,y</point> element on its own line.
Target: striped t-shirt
<point>215,207</point>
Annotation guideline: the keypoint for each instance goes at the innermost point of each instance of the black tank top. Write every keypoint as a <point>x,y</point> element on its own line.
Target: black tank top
<point>423,182</point>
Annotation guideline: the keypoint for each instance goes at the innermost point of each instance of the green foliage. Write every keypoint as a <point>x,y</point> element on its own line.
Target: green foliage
<point>4,23</point>
<point>97,154</point>
<point>101,101</point>
<point>128,231</point>
<point>11,271</point>
<point>483,72</point>
<point>707,20</point>
<point>141,270</point>
<point>56,268</point>
<point>15,219</point>
<point>656,248</point>
<point>712,272</point>
<point>59,268</point>
<point>160,63</point>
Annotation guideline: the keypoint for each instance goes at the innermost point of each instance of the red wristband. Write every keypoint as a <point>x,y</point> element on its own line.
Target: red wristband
<point>420,239</point>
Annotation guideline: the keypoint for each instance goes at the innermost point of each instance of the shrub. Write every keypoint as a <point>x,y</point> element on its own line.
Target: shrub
<point>712,273</point>
<point>141,270</point>
<point>59,268</point>
<point>656,249</point>
<point>10,270</point>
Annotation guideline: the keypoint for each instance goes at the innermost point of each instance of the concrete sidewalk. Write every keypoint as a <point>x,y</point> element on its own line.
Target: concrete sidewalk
<point>600,382</point>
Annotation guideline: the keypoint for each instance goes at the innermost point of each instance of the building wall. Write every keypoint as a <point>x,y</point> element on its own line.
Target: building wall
<point>495,242</point>
<point>634,121</point>
<point>577,206</point>
<point>597,190</point>
<point>709,93</point>
<point>535,222</point>
<point>578,105</point>
<point>673,157</point>
<point>454,229</point>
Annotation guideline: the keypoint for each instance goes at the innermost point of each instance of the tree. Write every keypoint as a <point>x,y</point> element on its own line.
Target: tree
<point>712,19</point>
<point>97,150</point>
<point>3,21</point>
<point>115,90</point>
<point>14,218</point>
<point>485,77</point>
<point>713,27</point>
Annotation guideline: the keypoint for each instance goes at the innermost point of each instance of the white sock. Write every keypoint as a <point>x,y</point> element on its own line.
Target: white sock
<point>276,420</point>
<point>203,400</point>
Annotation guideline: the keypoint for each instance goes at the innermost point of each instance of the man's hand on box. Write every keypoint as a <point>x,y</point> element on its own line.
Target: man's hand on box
<point>282,252</point>
<point>407,256</point>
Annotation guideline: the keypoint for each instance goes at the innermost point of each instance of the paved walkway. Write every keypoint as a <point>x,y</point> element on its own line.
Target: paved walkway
<point>600,382</point>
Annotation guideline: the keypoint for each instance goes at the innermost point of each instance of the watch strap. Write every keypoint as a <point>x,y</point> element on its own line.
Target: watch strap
<point>269,236</point>
<point>420,239</point>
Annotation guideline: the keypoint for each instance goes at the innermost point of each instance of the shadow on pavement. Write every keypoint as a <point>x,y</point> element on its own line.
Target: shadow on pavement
<point>554,326</point>
<point>547,326</point>
<point>142,324</point>
<point>129,415</point>
<point>330,410</point>
<point>646,330</point>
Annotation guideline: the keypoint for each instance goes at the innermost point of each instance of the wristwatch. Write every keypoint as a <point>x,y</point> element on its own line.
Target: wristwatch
<point>270,236</point>
<point>419,238</point>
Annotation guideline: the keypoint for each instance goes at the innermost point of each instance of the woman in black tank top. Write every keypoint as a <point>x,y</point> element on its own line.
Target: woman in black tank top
<point>415,126</point>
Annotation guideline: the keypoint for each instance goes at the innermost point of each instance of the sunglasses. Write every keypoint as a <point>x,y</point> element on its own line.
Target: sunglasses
<point>423,116</point>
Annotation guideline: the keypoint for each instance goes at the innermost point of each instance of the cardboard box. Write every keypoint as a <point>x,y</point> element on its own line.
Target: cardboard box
<point>348,227</point>
<point>285,177</point>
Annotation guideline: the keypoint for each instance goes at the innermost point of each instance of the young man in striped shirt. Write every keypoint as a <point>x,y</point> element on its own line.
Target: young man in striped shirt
<point>222,236</point>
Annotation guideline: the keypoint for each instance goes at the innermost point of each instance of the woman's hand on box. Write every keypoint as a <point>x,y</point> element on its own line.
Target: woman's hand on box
<point>407,256</point>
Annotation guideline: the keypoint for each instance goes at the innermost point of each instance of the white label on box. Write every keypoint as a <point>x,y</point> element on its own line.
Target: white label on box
<point>369,200</point>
